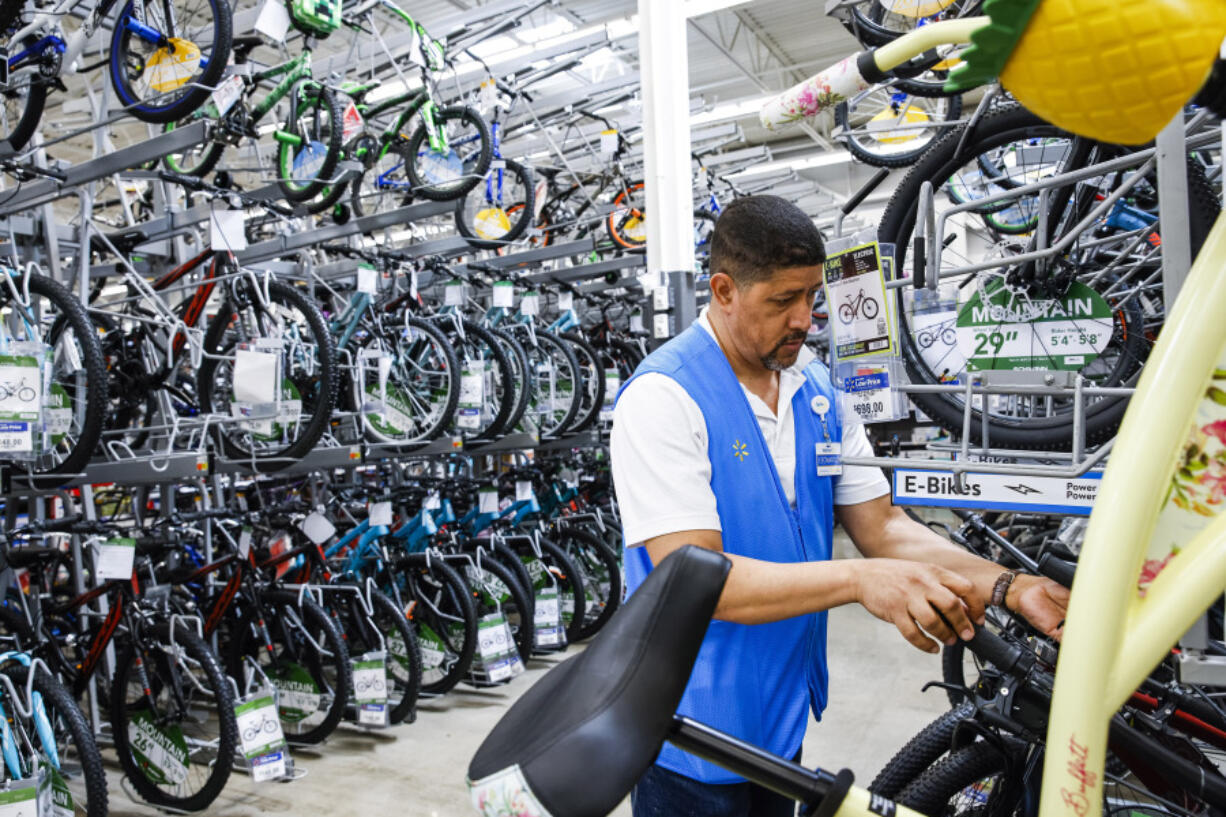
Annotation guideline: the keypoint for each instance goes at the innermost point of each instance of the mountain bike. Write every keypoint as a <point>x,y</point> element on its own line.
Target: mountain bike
<point>1155,564</point>
<point>165,56</point>
<point>857,306</point>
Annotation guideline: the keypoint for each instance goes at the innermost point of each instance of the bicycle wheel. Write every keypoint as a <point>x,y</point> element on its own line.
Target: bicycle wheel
<point>168,57</point>
<point>23,101</point>
<point>886,127</point>
<point>517,360</point>
<point>441,609</point>
<point>591,379</point>
<point>417,398</point>
<point>877,22</point>
<point>195,160</point>
<point>300,650</point>
<point>39,310</point>
<point>310,147</point>
<point>627,224</point>
<point>601,571</point>
<point>172,718</point>
<point>970,780</point>
<point>384,183</point>
<point>919,753</point>
<point>554,382</point>
<point>403,659</point>
<point>481,355</point>
<point>499,209</point>
<point>496,589</point>
<point>1105,285</point>
<point>443,175</point>
<point>285,319</point>
<point>353,150</point>
<point>63,739</point>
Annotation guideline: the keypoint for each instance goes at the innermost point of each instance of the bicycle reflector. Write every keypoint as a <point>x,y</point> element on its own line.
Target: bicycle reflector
<point>1113,70</point>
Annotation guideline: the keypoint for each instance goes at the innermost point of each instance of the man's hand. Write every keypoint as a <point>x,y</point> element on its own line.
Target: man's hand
<point>912,595</point>
<point>1041,601</point>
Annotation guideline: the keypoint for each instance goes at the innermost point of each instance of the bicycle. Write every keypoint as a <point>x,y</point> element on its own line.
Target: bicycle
<point>165,57</point>
<point>21,390</point>
<point>1118,627</point>
<point>857,306</point>
<point>267,724</point>
<point>929,336</point>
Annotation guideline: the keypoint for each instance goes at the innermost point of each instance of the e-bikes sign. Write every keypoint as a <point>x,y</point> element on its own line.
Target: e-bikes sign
<point>996,492</point>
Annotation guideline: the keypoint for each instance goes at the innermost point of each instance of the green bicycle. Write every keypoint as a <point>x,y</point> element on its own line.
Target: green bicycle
<point>308,143</point>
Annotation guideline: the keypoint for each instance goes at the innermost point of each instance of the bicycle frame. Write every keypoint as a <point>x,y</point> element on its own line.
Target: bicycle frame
<point>297,70</point>
<point>73,47</point>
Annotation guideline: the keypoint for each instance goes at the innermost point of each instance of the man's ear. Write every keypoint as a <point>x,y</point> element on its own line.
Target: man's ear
<point>723,288</point>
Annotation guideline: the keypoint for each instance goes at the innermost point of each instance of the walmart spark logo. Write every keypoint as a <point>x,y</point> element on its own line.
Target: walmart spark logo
<point>740,451</point>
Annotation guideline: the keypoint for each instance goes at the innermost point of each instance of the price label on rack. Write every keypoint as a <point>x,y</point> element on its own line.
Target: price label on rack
<point>453,293</point>
<point>566,301</point>
<point>608,142</point>
<point>636,321</point>
<point>488,95</point>
<point>368,279</point>
<point>504,294</point>
<point>370,688</point>
<point>523,491</point>
<point>244,541</point>
<point>21,389</point>
<point>868,392</point>
<point>227,93</point>
<point>380,514</point>
<point>859,309</point>
<point>472,394</point>
<point>263,741</point>
<point>115,558</point>
<point>530,304</point>
<point>547,618</point>
<point>227,228</point>
<point>273,21</point>
<point>612,384</point>
<point>487,500</point>
<point>317,528</point>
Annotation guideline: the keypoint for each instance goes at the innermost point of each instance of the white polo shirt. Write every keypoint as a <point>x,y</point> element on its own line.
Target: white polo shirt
<point>661,471</point>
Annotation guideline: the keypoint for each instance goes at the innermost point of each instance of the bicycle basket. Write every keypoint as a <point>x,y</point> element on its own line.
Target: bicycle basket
<point>317,17</point>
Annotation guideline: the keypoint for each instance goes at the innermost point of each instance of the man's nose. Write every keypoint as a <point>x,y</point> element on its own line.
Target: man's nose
<point>800,318</point>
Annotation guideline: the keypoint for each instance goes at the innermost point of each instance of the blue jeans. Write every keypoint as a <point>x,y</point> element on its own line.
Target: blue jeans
<point>661,793</point>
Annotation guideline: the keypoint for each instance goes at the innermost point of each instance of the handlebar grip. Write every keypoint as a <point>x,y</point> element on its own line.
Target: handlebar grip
<point>1006,657</point>
<point>191,182</point>
<point>280,209</point>
<point>1057,569</point>
<point>820,91</point>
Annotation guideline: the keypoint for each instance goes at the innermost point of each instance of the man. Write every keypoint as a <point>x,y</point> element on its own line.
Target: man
<point>726,440</point>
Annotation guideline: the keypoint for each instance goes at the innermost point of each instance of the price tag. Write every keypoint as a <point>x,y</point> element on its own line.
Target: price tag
<point>115,558</point>
<point>227,230</point>
<point>263,741</point>
<point>569,477</point>
<point>659,325</point>
<point>636,321</point>
<point>868,394</point>
<point>453,293</point>
<point>381,514</point>
<point>608,142</point>
<point>488,95</point>
<point>487,500</point>
<point>547,620</point>
<point>612,384</point>
<point>855,292</point>
<point>273,21</point>
<point>498,657</point>
<point>523,491</point>
<point>413,284</point>
<point>317,528</point>
<point>370,679</point>
<point>21,387</point>
<point>530,303</point>
<point>472,394</point>
<point>16,437</point>
<point>255,376</point>
<point>504,294</point>
<point>244,542</point>
<point>368,279</point>
<point>829,459</point>
<point>20,799</point>
<point>227,93</point>
<point>432,503</point>
<point>566,301</point>
<point>414,50</point>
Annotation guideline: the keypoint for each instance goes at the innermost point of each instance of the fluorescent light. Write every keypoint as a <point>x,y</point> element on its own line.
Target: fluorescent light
<point>737,109</point>
<point>809,162</point>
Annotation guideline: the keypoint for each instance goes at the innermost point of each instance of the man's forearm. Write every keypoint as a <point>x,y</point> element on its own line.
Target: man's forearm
<point>904,538</point>
<point>758,592</point>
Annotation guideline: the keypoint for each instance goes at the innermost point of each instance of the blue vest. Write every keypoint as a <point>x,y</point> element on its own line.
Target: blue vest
<point>756,682</point>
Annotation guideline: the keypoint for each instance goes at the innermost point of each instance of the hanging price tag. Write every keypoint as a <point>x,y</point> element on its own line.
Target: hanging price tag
<point>488,95</point>
<point>114,559</point>
<point>487,500</point>
<point>636,321</point>
<point>432,502</point>
<point>523,491</point>
<point>547,618</point>
<point>453,293</point>
<point>566,301</point>
<point>317,528</point>
<point>20,799</point>
<point>530,303</point>
<point>608,142</point>
<point>370,688</point>
<point>227,93</point>
<point>244,542</point>
<point>227,229</point>
<point>472,394</point>
<point>380,514</point>
<point>368,279</point>
<point>504,294</point>
<point>273,21</point>
<point>612,384</point>
<point>413,284</point>
<point>868,392</point>
<point>263,741</point>
<point>497,656</point>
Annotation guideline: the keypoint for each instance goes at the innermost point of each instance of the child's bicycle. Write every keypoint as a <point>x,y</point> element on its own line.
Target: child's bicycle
<point>616,700</point>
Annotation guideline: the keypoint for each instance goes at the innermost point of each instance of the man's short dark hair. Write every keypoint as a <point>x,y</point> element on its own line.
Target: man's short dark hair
<point>756,235</point>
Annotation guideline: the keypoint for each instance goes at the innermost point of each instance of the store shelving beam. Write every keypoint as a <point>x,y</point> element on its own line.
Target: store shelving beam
<point>45,190</point>
<point>585,271</point>
<point>434,448</point>
<point>319,459</point>
<point>285,244</point>
<point>532,258</point>
<point>511,442</point>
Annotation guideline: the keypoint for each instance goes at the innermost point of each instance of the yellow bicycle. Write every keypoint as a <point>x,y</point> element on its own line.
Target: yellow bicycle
<point>1154,556</point>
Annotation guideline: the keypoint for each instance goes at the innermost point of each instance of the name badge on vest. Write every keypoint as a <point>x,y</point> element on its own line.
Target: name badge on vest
<point>829,459</point>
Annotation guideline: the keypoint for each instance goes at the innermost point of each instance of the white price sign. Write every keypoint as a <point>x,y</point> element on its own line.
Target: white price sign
<point>504,294</point>
<point>453,293</point>
<point>523,491</point>
<point>487,501</point>
<point>227,230</point>
<point>566,301</point>
<point>368,279</point>
<point>259,725</point>
<point>370,679</point>
<point>115,558</point>
<point>381,514</point>
<point>530,304</point>
<point>855,292</point>
<point>317,528</point>
<point>869,396</point>
<point>227,93</point>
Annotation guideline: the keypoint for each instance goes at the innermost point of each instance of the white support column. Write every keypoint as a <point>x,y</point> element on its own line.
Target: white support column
<point>665,76</point>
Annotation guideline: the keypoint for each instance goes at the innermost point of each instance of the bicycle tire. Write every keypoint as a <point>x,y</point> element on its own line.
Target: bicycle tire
<point>919,753</point>
<point>71,314</point>
<point>209,156</point>
<point>571,592</point>
<point>544,357</point>
<point>518,213</point>
<point>1001,127</point>
<point>326,136</point>
<point>317,391</point>
<point>218,57</point>
<point>477,342</point>
<point>618,223</point>
<point>591,374</point>
<point>423,573</point>
<point>862,151</point>
<point>931,791</point>
<point>517,359</point>
<point>219,692</point>
<point>598,565</point>
<point>78,748</point>
<point>332,193</point>
<point>32,107</point>
<point>283,624</point>
<point>516,605</point>
<point>403,660</point>
<point>446,191</point>
<point>407,395</point>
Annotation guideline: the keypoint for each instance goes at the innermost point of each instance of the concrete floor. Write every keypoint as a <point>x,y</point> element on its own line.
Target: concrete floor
<point>418,770</point>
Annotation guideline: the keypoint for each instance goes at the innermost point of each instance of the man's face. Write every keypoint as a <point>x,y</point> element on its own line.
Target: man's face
<point>769,320</point>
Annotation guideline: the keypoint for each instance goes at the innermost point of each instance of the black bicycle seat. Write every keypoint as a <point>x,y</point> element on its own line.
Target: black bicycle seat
<point>611,707</point>
<point>242,46</point>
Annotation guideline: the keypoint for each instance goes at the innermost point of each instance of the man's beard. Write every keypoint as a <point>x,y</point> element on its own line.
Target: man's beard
<point>770,359</point>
